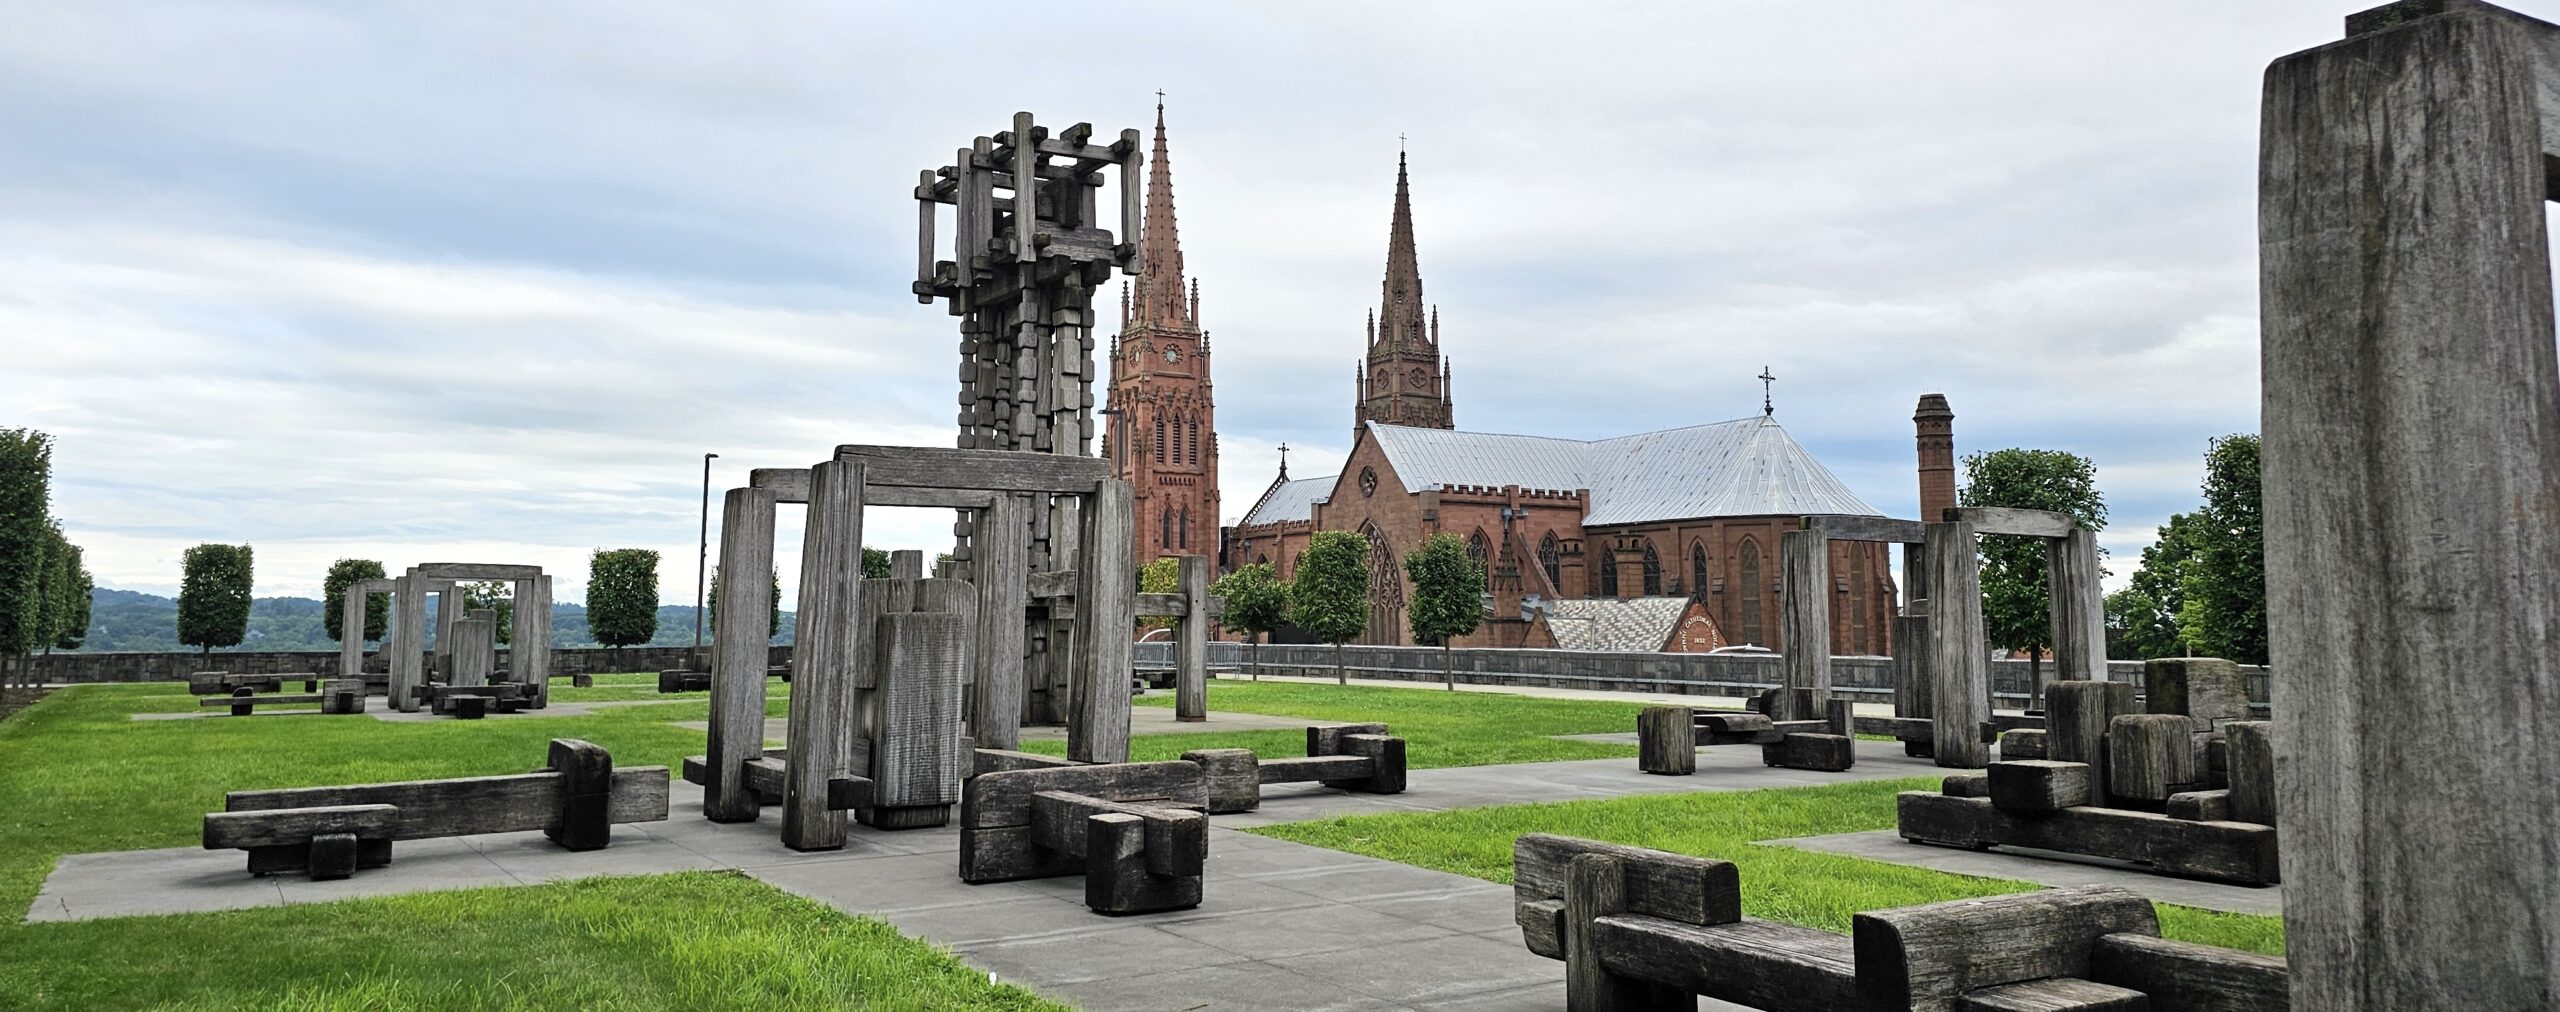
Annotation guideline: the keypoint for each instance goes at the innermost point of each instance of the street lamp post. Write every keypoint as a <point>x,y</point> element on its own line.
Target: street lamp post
<point>702,559</point>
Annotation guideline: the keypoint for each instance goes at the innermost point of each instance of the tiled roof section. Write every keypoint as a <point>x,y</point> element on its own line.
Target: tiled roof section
<point>1636,625</point>
<point>1745,467</point>
<point>1291,500</point>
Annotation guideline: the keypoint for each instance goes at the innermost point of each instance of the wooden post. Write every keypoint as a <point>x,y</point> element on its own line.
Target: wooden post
<point>1191,641</point>
<point>351,631</point>
<point>2412,480</point>
<point>2079,610</point>
<point>738,654</point>
<point>825,638</point>
<point>1106,603</point>
<point>999,557</point>
<point>1912,687</point>
<point>1804,623</point>
<point>448,611</point>
<point>408,663</point>
<point>1959,663</point>
<point>529,639</point>
<point>475,648</point>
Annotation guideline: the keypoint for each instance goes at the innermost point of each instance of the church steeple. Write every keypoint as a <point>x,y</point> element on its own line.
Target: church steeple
<point>1404,375</point>
<point>1164,434</point>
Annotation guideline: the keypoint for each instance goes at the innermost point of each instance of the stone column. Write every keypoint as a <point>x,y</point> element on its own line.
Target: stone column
<point>738,652</point>
<point>1959,661</point>
<point>2412,482</point>
<point>1804,623</point>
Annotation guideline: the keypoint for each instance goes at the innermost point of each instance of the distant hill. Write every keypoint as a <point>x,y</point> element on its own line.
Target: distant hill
<point>130,620</point>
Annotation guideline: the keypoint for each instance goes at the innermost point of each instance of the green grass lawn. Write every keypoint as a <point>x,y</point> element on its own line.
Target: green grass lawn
<point>1440,728</point>
<point>1778,883</point>
<point>77,774</point>
<point>696,940</point>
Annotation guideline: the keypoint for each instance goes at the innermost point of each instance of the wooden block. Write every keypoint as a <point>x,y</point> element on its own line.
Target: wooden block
<point>1231,779</point>
<point>997,760</point>
<point>585,820</point>
<point>2150,756</point>
<point>2236,852</point>
<point>1752,963</point>
<point>1927,957</point>
<point>1328,740</point>
<point>1541,925</point>
<point>468,707</point>
<point>2208,691</point>
<point>1009,853</point>
<point>1841,717</point>
<point>295,826</point>
<point>1666,740</point>
<point>1384,755</point>
<point>2190,977</point>
<point>1829,753</point>
<point>2023,743</point>
<point>2200,806</point>
<point>333,856</point>
<point>1966,785</point>
<point>1118,849</point>
<point>2056,994</point>
<point>993,800</point>
<point>470,806</point>
<point>2076,717</point>
<point>2252,761</point>
<point>1736,729</point>
<point>1327,769</point>
<point>1692,890</point>
<point>2037,786</point>
<point>1595,887</point>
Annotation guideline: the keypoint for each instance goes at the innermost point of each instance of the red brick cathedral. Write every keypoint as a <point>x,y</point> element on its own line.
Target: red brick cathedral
<point>1163,437</point>
<point>1664,540</point>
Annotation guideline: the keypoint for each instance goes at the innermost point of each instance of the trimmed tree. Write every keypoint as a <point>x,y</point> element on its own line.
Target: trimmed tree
<point>1163,576</point>
<point>622,597</point>
<point>26,483</point>
<point>1448,596</point>
<point>346,573</point>
<point>875,563</point>
<point>498,596</point>
<point>2142,619</point>
<point>53,589</point>
<point>2016,605</point>
<point>1329,598</point>
<point>213,596</point>
<point>2224,611</point>
<point>75,624</point>
<point>1257,602</point>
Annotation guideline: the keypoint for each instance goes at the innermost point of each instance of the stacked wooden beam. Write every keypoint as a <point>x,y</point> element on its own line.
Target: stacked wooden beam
<point>336,696</point>
<point>1352,757</point>
<point>2187,794</point>
<point>1668,737</point>
<point>223,683</point>
<point>1645,930</point>
<point>1134,830</point>
<point>330,832</point>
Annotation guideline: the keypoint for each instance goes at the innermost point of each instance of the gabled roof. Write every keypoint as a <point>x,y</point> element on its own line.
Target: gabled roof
<point>1744,467</point>
<point>1635,625</point>
<point>1290,500</point>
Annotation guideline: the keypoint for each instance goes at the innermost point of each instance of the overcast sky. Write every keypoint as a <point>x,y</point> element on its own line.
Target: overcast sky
<point>481,282</point>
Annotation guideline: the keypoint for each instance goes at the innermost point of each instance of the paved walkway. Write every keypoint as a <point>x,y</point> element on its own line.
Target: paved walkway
<point>2045,867</point>
<point>1142,720</point>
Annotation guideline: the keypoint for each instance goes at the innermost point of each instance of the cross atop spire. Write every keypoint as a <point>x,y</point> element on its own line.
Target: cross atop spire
<point>1160,297</point>
<point>1284,462</point>
<point>1767,409</point>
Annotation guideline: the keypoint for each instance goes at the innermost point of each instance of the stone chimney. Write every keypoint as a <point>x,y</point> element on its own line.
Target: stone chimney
<point>1935,425</point>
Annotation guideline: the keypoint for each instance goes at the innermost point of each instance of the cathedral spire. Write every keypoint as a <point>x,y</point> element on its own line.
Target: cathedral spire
<point>1401,292</point>
<point>1160,290</point>
<point>1403,381</point>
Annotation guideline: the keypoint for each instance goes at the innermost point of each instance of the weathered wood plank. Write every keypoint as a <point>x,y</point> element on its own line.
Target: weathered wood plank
<point>823,655</point>
<point>1754,963</point>
<point>2014,522</point>
<point>2055,994</point>
<point>1927,957</point>
<point>999,552</point>
<point>988,470</point>
<point>2252,766</point>
<point>468,806</point>
<point>476,571</point>
<point>1959,662</point>
<point>1667,740</point>
<point>2238,852</point>
<point>1191,641</point>
<point>1804,624</point>
<point>2036,786</point>
<point>738,687</point>
<point>1855,528</point>
<point>2189,977</point>
<point>286,827</point>
<point>1304,769</point>
<point>1691,890</point>
<point>2411,467</point>
<point>787,484</point>
<point>2151,756</point>
<point>2076,609</point>
<point>998,799</point>
<point>1098,720</point>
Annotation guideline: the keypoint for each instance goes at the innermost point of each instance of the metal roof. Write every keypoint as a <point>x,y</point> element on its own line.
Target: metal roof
<point>1291,500</point>
<point>1635,625</point>
<point>1744,467</point>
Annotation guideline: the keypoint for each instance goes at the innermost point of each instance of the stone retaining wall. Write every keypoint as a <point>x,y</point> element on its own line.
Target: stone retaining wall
<point>81,668</point>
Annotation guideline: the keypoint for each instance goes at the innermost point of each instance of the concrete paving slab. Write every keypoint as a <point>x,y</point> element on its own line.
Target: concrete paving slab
<point>128,883</point>
<point>1234,987</point>
<point>2046,868</point>
<point>1271,934</point>
<point>1089,954</point>
<point>1425,969</point>
<point>531,857</point>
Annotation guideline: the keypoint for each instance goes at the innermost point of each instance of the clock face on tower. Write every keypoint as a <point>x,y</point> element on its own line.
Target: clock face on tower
<point>1172,354</point>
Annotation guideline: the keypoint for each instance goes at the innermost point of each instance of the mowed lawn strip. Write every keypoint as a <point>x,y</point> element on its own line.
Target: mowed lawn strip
<point>77,774</point>
<point>695,940</point>
<point>1778,883</point>
<point>1440,728</point>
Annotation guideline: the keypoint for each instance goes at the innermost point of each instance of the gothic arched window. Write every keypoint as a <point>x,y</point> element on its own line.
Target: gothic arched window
<point>1652,571</point>
<point>1185,527</point>
<point>1159,439</point>
<point>1608,573</point>
<point>1195,440</point>
<point>1751,590</point>
<point>1550,559</point>
<point>1480,550</point>
<point>1698,570</point>
<point>1164,525</point>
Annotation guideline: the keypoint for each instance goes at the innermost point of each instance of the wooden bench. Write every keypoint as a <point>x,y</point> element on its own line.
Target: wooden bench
<point>1667,738</point>
<point>1354,757</point>
<point>329,832</point>
<point>1133,830</point>
<point>471,702</point>
<point>337,695</point>
<point>218,683</point>
<point>765,775</point>
<point>1643,929</point>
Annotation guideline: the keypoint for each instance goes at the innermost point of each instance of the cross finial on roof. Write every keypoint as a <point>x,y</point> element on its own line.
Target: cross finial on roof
<point>1766,408</point>
<point>1284,460</point>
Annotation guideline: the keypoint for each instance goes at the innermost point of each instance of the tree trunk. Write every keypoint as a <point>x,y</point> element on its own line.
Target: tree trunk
<point>1448,676</point>
<point>1253,655</point>
<point>1338,677</point>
